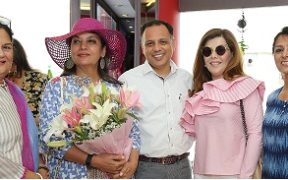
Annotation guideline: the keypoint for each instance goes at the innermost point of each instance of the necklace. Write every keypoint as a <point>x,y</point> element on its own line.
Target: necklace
<point>284,107</point>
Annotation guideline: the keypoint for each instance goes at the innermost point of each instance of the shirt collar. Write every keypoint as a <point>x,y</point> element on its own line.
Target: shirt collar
<point>148,69</point>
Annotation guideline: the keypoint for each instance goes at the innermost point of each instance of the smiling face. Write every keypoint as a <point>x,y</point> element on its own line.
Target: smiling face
<point>281,54</point>
<point>86,50</point>
<point>157,45</point>
<point>6,54</point>
<point>215,62</point>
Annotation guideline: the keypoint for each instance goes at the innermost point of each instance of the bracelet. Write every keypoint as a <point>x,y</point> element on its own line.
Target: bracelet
<point>43,167</point>
<point>88,160</point>
<point>39,175</point>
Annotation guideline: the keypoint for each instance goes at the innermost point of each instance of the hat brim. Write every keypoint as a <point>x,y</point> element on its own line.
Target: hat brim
<point>115,42</point>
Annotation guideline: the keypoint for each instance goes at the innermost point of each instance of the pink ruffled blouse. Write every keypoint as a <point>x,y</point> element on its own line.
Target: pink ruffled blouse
<point>213,117</point>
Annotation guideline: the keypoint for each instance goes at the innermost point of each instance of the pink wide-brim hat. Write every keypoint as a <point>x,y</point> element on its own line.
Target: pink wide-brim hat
<point>115,43</point>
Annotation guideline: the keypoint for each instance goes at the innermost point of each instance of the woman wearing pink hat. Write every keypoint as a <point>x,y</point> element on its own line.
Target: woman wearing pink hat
<point>86,54</point>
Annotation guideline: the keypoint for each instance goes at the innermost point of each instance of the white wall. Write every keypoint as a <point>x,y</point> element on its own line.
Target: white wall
<point>32,21</point>
<point>262,25</point>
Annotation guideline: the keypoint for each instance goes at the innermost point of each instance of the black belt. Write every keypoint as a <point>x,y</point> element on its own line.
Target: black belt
<point>164,160</point>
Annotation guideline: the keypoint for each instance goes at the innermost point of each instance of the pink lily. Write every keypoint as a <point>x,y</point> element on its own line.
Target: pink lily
<point>83,104</point>
<point>129,99</point>
<point>71,117</point>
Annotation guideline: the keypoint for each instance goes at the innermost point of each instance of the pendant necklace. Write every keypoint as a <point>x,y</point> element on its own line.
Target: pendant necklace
<point>284,107</point>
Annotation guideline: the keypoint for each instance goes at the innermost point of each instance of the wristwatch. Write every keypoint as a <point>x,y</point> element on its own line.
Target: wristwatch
<point>88,159</point>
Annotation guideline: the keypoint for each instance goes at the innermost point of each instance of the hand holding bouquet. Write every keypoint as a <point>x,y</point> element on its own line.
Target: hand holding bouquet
<point>99,121</point>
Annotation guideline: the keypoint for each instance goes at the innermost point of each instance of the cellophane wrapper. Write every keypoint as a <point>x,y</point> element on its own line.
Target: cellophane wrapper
<point>115,142</point>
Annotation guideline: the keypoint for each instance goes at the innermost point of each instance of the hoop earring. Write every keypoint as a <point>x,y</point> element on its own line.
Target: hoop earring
<point>69,64</point>
<point>102,63</point>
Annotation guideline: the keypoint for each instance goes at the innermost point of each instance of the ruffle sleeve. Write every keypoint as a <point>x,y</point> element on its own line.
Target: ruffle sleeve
<point>231,91</point>
<point>213,94</point>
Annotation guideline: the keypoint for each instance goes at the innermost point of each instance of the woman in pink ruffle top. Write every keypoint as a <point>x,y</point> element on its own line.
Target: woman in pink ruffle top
<point>213,116</point>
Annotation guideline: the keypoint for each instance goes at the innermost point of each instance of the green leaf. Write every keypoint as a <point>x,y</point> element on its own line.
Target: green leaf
<point>121,113</point>
<point>78,130</point>
<point>56,144</point>
<point>133,116</point>
<point>243,46</point>
<point>91,93</point>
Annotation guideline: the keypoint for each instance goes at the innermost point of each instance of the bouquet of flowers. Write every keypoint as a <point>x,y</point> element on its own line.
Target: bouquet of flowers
<point>99,121</point>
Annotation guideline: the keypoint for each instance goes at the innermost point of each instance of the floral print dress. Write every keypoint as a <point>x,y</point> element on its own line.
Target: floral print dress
<point>33,86</point>
<point>52,99</point>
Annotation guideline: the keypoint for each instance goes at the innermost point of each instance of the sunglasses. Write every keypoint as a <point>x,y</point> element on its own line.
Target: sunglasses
<point>5,21</point>
<point>220,50</point>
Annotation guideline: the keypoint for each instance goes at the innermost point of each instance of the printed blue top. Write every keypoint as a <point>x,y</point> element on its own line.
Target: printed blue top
<point>275,138</point>
<point>50,108</point>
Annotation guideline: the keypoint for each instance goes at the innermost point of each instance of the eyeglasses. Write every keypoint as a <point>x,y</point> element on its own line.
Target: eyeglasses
<point>220,50</point>
<point>7,47</point>
<point>5,21</point>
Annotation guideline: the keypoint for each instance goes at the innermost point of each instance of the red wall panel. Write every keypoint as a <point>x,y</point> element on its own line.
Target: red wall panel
<point>168,10</point>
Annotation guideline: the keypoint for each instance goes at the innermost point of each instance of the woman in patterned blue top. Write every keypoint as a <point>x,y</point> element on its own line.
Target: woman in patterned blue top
<point>86,54</point>
<point>275,125</point>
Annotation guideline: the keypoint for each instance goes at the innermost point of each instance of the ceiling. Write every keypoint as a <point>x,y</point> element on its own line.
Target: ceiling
<point>124,10</point>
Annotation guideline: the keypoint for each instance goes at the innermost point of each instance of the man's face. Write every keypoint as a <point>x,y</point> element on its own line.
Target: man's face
<point>157,46</point>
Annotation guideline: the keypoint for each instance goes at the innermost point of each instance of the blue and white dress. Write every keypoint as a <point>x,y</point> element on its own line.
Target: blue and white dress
<point>275,138</point>
<point>50,108</point>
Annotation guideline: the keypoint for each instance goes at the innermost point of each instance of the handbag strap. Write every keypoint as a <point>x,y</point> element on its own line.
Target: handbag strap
<point>244,120</point>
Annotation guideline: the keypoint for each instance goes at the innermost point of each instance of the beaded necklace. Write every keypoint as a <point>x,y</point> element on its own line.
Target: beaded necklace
<point>284,107</point>
<point>283,96</point>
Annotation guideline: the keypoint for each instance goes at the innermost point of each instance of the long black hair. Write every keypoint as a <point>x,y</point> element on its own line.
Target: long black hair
<point>20,58</point>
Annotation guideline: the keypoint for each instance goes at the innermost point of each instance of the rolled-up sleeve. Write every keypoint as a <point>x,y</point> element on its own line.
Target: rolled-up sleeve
<point>135,135</point>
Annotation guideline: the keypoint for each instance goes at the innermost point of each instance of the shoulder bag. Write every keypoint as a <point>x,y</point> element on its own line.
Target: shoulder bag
<point>258,172</point>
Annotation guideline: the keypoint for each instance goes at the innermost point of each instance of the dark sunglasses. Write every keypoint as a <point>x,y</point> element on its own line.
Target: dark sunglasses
<point>220,50</point>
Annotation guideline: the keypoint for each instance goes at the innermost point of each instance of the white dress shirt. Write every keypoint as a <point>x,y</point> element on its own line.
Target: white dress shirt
<point>162,106</point>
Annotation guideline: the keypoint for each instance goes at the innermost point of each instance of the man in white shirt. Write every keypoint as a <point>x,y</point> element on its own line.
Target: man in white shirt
<point>163,88</point>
